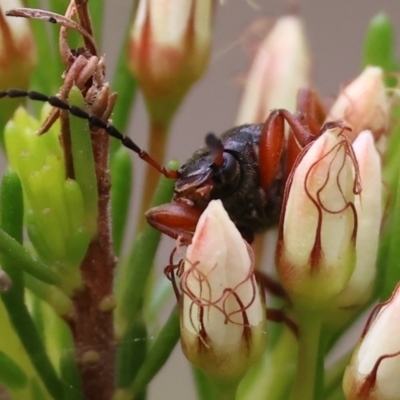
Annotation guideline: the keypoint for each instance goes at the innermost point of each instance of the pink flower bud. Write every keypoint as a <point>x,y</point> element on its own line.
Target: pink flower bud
<point>368,206</point>
<point>363,104</point>
<point>281,67</point>
<point>223,312</point>
<point>316,244</point>
<point>17,55</point>
<point>373,373</point>
<point>169,50</point>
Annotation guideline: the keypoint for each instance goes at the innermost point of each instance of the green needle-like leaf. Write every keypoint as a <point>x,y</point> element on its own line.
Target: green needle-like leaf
<point>137,269</point>
<point>97,14</point>
<point>125,85</point>
<point>11,374</point>
<point>392,270</point>
<point>121,190</point>
<point>10,216</point>
<point>379,46</point>
<point>84,165</point>
<point>47,73</point>
<point>70,376</point>
<point>131,353</point>
<point>24,260</point>
<point>158,353</point>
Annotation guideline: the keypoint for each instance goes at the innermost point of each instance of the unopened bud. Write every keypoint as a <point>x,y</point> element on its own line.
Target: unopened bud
<point>17,55</point>
<point>363,104</point>
<point>368,206</point>
<point>373,373</point>
<point>280,68</point>
<point>316,244</point>
<point>223,313</point>
<point>169,51</point>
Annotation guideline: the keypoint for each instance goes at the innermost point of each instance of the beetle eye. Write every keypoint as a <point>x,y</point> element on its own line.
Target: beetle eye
<point>229,170</point>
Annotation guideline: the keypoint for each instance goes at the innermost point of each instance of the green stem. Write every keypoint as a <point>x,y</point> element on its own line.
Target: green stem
<point>307,363</point>
<point>274,374</point>
<point>225,390</point>
<point>203,384</point>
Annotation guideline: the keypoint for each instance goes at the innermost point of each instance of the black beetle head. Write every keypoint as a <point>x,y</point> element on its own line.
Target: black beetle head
<point>212,172</point>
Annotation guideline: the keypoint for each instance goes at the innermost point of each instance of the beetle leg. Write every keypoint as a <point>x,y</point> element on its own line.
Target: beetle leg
<point>312,114</point>
<point>272,142</point>
<point>310,105</point>
<point>174,220</point>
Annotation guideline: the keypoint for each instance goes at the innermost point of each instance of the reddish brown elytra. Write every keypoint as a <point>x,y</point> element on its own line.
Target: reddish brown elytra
<point>246,167</point>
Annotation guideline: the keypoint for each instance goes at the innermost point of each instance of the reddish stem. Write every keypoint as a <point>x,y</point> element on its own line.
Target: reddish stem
<point>92,325</point>
<point>156,148</point>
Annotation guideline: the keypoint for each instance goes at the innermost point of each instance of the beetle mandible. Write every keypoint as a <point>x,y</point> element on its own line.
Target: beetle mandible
<point>246,167</point>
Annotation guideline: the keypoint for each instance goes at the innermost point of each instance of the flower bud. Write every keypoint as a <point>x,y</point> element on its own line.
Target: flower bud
<point>280,68</point>
<point>316,245</point>
<point>223,313</point>
<point>368,206</point>
<point>17,55</point>
<point>373,373</point>
<point>169,50</point>
<point>363,104</point>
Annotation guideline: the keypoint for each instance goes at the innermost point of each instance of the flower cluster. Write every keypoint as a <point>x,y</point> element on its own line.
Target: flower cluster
<point>315,172</point>
<point>329,226</point>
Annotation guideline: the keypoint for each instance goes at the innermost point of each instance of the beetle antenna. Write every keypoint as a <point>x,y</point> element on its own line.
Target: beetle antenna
<point>94,121</point>
<point>216,148</point>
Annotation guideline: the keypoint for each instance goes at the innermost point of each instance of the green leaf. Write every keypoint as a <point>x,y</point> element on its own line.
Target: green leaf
<point>97,14</point>
<point>47,73</point>
<point>25,261</point>
<point>71,379</point>
<point>13,299</point>
<point>121,190</point>
<point>125,85</point>
<point>133,278</point>
<point>378,44</point>
<point>392,270</point>
<point>11,374</point>
<point>131,353</point>
<point>84,165</point>
<point>12,214</point>
<point>158,353</point>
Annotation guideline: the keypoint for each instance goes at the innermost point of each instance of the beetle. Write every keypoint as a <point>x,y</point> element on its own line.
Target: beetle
<point>246,167</point>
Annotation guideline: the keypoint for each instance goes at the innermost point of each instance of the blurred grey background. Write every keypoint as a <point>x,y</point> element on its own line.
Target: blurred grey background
<point>335,30</point>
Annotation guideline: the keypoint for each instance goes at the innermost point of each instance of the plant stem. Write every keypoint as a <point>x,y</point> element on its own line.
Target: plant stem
<point>157,145</point>
<point>309,337</point>
<point>225,390</point>
<point>92,326</point>
<point>275,373</point>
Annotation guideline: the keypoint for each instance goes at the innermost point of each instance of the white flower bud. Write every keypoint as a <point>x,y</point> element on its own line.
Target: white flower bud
<point>363,104</point>
<point>369,216</point>
<point>316,244</point>
<point>223,315</point>
<point>281,67</point>
<point>373,373</point>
